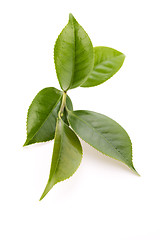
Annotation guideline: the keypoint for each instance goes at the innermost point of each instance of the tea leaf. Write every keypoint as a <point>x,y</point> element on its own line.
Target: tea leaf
<point>73,55</point>
<point>42,115</point>
<point>69,106</point>
<point>104,134</point>
<point>67,155</point>
<point>107,61</point>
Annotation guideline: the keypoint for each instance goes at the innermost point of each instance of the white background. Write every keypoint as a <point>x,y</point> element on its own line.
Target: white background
<point>104,199</point>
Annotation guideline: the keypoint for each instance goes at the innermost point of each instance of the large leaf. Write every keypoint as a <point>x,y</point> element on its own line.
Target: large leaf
<point>42,115</point>
<point>73,55</point>
<point>67,155</point>
<point>104,134</point>
<point>107,61</point>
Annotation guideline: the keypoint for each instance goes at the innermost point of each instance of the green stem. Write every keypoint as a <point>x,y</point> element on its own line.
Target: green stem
<point>63,104</point>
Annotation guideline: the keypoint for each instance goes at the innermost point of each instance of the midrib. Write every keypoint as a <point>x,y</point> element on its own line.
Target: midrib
<point>99,135</point>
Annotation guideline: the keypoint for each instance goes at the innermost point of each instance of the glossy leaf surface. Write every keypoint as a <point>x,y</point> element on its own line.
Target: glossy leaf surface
<point>42,115</point>
<point>107,61</point>
<point>73,55</point>
<point>104,134</point>
<point>67,155</point>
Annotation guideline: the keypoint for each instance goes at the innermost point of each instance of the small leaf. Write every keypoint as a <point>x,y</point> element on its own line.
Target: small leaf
<point>42,115</point>
<point>107,61</point>
<point>104,134</point>
<point>65,113</point>
<point>73,55</point>
<point>69,103</point>
<point>67,155</point>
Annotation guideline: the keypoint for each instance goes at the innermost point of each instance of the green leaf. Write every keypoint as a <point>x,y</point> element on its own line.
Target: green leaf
<point>104,134</point>
<point>67,155</point>
<point>65,113</point>
<point>107,61</point>
<point>69,103</point>
<point>73,55</point>
<point>42,115</point>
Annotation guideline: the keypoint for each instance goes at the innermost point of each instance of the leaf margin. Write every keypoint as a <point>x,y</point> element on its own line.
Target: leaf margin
<point>87,85</point>
<point>73,22</point>
<point>45,192</point>
<point>70,107</point>
<point>130,167</point>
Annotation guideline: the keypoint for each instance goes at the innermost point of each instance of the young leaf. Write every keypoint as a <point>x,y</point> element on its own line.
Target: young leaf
<point>42,115</point>
<point>107,61</point>
<point>103,133</point>
<point>73,55</point>
<point>67,155</point>
<point>69,106</point>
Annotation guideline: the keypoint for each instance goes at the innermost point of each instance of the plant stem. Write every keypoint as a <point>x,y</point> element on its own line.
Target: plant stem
<point>63,104</point>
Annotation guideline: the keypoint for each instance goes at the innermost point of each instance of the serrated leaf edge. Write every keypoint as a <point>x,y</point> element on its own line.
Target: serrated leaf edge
<point>120,53</point>
<point>57,164</point>
<point>27,141</point>
<point>131,167</point>
<point>74,61</point>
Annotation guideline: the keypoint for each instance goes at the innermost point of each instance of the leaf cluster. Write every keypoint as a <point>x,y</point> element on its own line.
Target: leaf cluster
<point>51,115</point>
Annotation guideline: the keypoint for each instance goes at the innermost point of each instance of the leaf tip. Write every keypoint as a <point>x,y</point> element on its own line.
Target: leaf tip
<point>25,144</point>
<point>43,195</point>
<point>134,170</point>
<point>41,198</point>
<point>71,18</point>
<point>137,173</point>
<point>48,187</point>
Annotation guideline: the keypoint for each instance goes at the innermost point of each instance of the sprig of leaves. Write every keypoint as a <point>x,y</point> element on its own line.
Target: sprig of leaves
<point>51,114</point>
